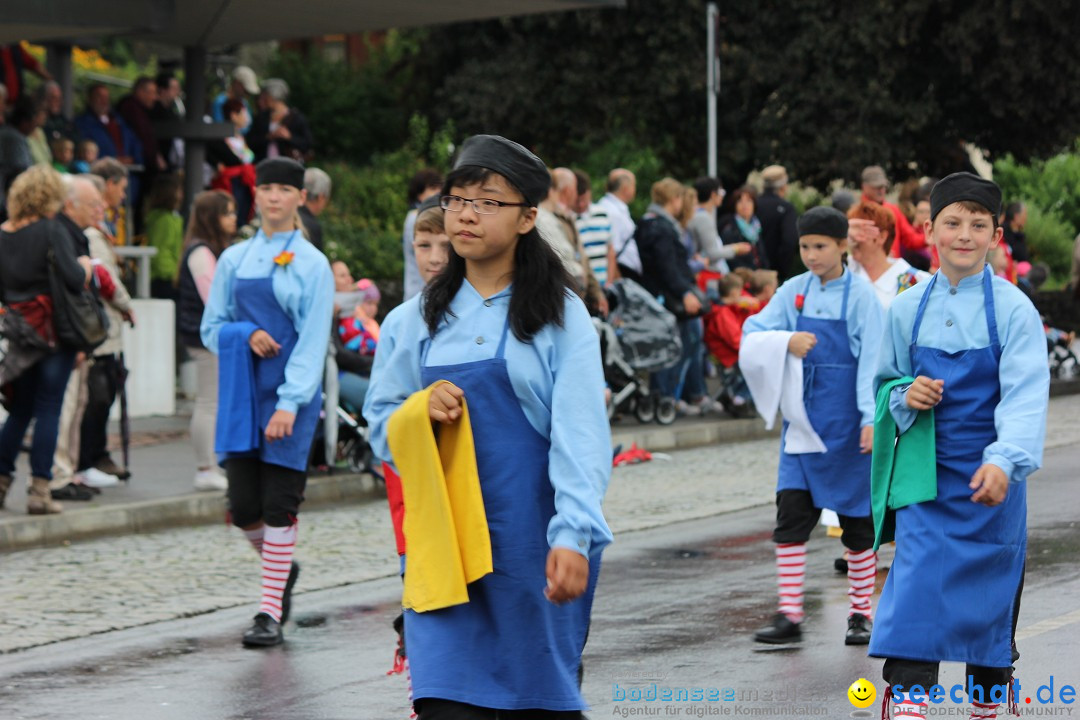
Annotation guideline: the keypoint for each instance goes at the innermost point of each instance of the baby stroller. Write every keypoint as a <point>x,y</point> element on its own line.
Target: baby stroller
<point>639,337</point>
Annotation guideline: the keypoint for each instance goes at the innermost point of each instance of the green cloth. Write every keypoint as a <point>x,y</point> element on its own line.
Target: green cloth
<point>165,231</point>
<point>903,469</point>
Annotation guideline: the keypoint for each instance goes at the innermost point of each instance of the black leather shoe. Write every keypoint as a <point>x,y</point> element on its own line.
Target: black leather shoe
<point>265,632</point>
<point>286,595</point>
<point>840,565</point>
<point>71,491</point>
<point>779,631</point>
<point>858,630</point>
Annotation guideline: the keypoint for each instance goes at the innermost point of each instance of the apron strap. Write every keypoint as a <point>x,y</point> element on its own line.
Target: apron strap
<point>922,308</point>
<point>988,306</point>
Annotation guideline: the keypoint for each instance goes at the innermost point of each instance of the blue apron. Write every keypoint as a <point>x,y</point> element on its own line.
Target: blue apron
<point>256,303</point>
<point>509,647</point>
<point>838,479</point>
<point>952,587</point>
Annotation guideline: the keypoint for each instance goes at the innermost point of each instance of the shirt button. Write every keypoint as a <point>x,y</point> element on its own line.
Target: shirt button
<point>948,323</point>
<point>487,303</point>
<point>480,340</point>
<point>952,291</point>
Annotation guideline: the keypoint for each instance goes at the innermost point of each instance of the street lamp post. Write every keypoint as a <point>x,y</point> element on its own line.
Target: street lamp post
<point>712,90</point>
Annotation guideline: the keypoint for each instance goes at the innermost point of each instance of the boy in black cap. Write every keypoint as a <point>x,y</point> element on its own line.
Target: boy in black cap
<point>832,321</point>
<point>975,347</point>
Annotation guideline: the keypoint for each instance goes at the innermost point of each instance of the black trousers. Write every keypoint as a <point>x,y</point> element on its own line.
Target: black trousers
<point>796,518</point>
<point>433,709</point>
<point>262,491</point>
<point>102,382</point>
<point>917,672</point>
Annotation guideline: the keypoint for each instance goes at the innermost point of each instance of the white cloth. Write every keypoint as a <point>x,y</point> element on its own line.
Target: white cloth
<point>775,379</point>
<point>899,277</point>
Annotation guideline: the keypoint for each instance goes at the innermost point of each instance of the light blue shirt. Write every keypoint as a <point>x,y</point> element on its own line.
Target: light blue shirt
<point>865,320</point>
<point>414,283</point>
<point>557,377</point>
<point>305,290</point>
<point>955,320</point>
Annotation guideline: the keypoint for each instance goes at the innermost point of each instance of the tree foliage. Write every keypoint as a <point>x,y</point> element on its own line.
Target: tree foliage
<point>823,87</point>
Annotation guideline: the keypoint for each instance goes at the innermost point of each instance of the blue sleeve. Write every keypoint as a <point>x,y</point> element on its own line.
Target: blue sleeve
<point>1020,416</point>
<point>217,109</point>
<point>579,461</point>
<point>780,312</point>
<point>395,375</point>
<point>304,371</point>
<point>219,306</point>
<point>869,322</point>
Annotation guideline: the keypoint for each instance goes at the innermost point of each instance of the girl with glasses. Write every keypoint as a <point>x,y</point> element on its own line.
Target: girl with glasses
<point>500,329</point>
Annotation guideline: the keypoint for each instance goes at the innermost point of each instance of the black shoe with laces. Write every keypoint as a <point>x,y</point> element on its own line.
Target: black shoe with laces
<point>780,631</point>
<point>858,630</point>
<point>286,595</point>
<point>265,632</point>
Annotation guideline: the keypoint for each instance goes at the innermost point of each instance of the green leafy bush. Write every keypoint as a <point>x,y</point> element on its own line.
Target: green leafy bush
<point>363,223</point>
<point>1051,190</point>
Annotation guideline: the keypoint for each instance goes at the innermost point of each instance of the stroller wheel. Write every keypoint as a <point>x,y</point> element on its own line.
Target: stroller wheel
<point>666,411</point>
<point>645,408</point>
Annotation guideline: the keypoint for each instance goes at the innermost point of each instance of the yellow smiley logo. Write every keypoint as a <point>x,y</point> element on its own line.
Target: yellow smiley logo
<point>862,693</point>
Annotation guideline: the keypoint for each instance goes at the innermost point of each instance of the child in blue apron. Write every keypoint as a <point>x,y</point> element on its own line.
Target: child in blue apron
<point>976,348</point>
<point>268,319</point>
<point>836,322</point>
<point>501,327</point>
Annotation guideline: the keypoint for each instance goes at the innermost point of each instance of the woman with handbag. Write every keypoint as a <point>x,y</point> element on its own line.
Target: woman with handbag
<point>27,240</point>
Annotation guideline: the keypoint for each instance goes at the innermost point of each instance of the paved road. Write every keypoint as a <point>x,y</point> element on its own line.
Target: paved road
<point>676,604</point>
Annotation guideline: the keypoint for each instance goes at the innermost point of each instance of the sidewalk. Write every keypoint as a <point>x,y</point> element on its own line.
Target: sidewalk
<point>160,493</point>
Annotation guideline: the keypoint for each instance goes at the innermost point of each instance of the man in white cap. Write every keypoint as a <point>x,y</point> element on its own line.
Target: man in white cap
<point>243,83</point>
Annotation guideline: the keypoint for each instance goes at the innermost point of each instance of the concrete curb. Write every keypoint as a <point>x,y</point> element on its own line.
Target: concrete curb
<point>22,533</point>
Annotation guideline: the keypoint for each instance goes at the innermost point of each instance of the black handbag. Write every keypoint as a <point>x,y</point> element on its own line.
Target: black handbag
<point>78,316</point>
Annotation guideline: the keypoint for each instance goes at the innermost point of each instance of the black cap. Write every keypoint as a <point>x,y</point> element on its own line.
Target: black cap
<point>431,202</point>
<point>282,171</point>
<point>822,220</point>
<point>964,186</point>
<point>521,168</point>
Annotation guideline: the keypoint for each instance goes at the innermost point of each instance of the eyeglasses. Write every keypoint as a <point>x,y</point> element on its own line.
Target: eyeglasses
<point>482,206</point>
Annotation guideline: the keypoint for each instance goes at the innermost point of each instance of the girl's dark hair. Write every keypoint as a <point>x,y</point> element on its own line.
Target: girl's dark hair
<point>205,223</point>
<point>540,281</point>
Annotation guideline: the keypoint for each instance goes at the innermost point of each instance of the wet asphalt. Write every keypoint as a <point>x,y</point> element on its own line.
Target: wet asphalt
<point>675,609</point>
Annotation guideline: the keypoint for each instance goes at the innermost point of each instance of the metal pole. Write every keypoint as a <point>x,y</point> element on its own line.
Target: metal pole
<point>194,148</point>
<point>712,12</point>
<point>59,63</point>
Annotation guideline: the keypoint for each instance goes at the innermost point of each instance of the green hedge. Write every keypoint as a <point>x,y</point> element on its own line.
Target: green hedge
<point>1051,191</point>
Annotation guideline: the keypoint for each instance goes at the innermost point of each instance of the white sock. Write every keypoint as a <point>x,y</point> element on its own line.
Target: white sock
<point>791,572</point>
<point>277,552</point>
<point>255,537</point>
<point>862,572</point>
<point>908,709</point>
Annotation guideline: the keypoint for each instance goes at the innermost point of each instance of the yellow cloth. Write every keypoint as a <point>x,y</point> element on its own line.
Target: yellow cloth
<point>446,530</point>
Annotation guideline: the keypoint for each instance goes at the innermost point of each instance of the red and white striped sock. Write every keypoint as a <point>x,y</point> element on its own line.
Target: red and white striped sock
<point>862,572</point>
<point>984,711</point>
<point>277,552</point>
<point>908,709</point>
<point>255,537</point>
<point>791,572</point>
